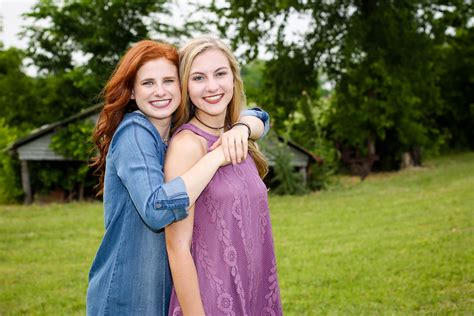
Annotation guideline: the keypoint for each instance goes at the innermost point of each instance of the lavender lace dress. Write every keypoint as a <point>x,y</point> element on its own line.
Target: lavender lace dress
<point>232,243</point>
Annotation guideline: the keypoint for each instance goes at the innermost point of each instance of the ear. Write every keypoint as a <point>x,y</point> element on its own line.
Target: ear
<point>133,95</point>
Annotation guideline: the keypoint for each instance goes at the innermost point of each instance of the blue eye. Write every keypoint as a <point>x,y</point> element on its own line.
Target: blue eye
<point>169,81</point>
<point>197,78</point>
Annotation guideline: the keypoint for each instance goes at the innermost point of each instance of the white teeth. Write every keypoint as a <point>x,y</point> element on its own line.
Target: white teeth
<point>214,98</point>
<point>160,103</point>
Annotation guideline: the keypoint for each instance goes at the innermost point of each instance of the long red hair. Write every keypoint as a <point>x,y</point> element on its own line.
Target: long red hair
<point>116,96</point>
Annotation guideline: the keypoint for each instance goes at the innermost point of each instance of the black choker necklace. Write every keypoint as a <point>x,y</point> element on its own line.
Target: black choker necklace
<point>211,127</point>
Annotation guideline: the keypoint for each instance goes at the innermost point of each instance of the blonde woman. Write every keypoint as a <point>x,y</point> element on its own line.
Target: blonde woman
<point>221,257</point>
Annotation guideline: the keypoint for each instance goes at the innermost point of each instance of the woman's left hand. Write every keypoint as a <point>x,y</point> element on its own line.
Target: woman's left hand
<point>234,143</point>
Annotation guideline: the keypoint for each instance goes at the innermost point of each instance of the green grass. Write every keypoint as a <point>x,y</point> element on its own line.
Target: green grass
<point>396,244</point>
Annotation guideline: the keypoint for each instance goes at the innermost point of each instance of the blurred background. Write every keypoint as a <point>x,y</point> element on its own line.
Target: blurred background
<point>357,86</point>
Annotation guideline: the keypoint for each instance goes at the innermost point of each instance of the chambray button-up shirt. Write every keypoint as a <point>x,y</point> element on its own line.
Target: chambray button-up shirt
<point>130,274</point>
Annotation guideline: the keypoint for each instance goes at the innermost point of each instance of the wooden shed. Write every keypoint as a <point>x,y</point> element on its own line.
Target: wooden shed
<point>301,158</point>
<point>36,147</point>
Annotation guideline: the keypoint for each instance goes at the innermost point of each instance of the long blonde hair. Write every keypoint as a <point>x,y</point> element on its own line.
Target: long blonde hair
<point>185,112</point>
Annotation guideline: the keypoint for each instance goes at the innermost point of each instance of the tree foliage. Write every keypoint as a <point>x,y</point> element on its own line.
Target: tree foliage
<point>74,142</point>
<point>74,45</point>
<point>456,82</point>
<point>389,96</point>
<point>384,57</point>
<point>29,102</point>
<point>97,29</point>
<point>18,97</point>
<point>10,183</point>
<point>285,180</point>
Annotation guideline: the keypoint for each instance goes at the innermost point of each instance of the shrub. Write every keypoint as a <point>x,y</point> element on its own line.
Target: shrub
<point>10,182</point>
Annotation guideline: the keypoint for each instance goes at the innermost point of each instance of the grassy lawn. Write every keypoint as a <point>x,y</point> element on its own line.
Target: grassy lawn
<point>396,244</point>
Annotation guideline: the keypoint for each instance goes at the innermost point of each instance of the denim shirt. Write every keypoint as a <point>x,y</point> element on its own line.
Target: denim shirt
<point>130,274</point>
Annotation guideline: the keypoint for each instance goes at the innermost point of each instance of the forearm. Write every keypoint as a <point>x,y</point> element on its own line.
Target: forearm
<point>178,244</point>
<point>197,178</point>
<point>185,281</point>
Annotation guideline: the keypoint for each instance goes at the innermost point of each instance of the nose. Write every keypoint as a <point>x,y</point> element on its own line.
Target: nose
<point>159,90</point>
<point>212,85</point>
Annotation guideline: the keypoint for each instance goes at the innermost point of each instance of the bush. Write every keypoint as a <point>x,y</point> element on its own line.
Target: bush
<point>75,142</point>
<point>286,181</point>
<point>10,182</point>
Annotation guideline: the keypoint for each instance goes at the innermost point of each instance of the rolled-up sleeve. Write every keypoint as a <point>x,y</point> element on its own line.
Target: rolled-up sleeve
<point>137,157</point>
<point>261,114</point>
<point>173,196</point>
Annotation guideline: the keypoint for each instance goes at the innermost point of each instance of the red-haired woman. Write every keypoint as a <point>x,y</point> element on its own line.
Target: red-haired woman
<point>130,273</point>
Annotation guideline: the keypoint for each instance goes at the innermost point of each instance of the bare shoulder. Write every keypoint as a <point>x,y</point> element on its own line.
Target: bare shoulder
<point>184,150</point>
<point>187,143</point>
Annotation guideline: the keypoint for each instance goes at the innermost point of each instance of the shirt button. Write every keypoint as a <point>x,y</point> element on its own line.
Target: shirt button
<point>158,205</point>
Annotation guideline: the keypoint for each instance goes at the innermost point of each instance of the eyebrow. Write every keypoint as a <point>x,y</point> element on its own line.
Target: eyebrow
<point>152,79</point>
<point>218,69</point>
<point>222,68</point>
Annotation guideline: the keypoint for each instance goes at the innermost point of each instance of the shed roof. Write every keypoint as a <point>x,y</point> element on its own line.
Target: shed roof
<point>40,131</point>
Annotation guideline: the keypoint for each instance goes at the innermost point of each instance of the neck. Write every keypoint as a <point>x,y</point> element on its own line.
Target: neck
<point>163,126</point>
<point>214,124</point>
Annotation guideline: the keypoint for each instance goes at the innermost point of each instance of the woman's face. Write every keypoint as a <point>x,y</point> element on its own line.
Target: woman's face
<point>211,82</point>
<point>156,89</point>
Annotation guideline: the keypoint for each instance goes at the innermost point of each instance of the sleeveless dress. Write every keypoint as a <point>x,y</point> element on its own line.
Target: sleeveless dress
<point>232,243</point>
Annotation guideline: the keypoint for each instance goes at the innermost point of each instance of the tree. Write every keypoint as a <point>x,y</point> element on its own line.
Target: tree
<point>18,95</point>
<point>456,81</point>
<point>280,86</point>
<point>99,30</point>
<point>457,89</point>
<point>386,99</point>
<point>381,54</point>
<point>10,183</point>
<point>252,75</point>
<point>29,102</point>
<point>76,45</point>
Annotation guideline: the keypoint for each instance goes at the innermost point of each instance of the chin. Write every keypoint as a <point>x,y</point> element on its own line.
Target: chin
<point>217,108</point>
<point>161,114</point>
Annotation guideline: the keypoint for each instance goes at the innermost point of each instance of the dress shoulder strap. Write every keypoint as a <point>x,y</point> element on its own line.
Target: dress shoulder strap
<point>196,130</point>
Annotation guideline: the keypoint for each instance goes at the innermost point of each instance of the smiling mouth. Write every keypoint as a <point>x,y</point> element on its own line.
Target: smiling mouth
<point>160,103</point>
<point>214,98</point>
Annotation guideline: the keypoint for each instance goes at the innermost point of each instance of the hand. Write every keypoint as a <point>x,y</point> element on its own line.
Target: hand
<point>234,144</point>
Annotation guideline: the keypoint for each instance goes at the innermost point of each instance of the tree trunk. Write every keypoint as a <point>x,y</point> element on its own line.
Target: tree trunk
<point>371,147</point>
<point>81,191</point>
<point>416,156</point>
<point>407,160</point>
